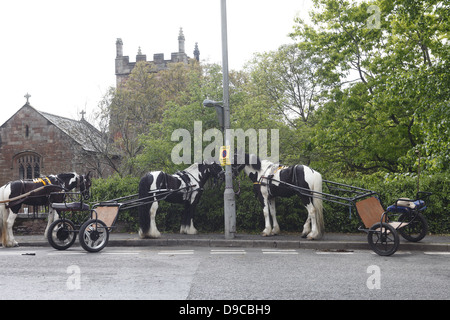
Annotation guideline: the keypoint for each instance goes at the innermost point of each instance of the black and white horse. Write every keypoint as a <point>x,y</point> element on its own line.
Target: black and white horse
<point>266,177</point>
<point>14,189</point>
<point>189,184</point>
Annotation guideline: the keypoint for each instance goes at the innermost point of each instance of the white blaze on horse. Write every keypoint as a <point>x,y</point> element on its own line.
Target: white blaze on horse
<point>188,185</point>
<point>36,192</point>
<point>270,181</point>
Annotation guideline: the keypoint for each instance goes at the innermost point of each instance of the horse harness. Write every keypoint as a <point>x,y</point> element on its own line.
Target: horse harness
<point>25,192</point>
<point>274,169</point>
<point>190,188</point>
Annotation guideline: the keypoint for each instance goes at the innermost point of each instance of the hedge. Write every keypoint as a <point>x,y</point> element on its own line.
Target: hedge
<point>291,214</point>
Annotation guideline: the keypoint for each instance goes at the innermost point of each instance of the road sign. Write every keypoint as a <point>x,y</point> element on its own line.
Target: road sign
<point>225,156</point>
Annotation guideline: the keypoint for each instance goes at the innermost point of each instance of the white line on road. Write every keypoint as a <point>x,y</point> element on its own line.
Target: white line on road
<point>175,252</point>
<point>279,251</point>
<point>443,253</point>
<point>228,251</point>
<point>334,252</point>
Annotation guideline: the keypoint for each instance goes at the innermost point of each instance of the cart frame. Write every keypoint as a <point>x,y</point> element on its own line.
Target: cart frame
<point>382,231</point>
<point>93,234</point>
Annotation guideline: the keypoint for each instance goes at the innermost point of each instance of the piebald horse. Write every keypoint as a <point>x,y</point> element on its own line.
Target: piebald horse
<point>52,183</point>
<point>188,185</point>
<point>269,181</point>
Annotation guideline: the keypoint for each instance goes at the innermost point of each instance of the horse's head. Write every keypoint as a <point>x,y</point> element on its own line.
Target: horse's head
<point>243,160</point>
<point>213,169</point>
<point>70,181</point>
<point>85,185</point>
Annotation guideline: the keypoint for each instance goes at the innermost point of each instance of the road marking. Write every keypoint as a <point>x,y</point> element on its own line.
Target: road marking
<point>228,251</point>
<point>176,252</point>
<point>443,253</point>
<point>279,251</point>
<point>334,252</point>
<point>122,253</point>
<point>61,253</point>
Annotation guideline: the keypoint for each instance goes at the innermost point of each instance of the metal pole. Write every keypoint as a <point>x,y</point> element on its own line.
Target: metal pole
<point>228,197</point>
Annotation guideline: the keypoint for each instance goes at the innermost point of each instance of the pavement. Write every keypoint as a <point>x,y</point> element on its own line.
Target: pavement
<point>329,242</point>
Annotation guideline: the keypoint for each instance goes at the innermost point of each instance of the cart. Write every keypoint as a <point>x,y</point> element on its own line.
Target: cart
<point>93,234</point>
<point>383,227</point>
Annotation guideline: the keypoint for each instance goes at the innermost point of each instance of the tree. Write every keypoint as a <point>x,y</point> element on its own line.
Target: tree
<point>290,80</point>
<point>391,81</point>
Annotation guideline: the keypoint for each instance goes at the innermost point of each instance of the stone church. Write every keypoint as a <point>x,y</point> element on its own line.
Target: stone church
<point>34,143</point>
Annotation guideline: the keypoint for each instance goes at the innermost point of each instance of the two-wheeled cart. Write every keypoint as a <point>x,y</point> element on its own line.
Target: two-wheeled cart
<point>383,227</point>
<point>93,234</point>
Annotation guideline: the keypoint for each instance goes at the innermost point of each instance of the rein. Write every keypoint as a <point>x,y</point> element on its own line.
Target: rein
<point>23,195</point>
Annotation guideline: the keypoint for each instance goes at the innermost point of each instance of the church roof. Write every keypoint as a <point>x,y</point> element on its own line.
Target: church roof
<point>81,131</point>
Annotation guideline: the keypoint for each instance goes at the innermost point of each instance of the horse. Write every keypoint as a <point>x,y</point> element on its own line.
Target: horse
<point>184,187</point>
<point>41,197</point>
<point>269,181</point>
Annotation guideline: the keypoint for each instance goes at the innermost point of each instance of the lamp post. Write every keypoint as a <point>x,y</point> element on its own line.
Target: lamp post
<point>223,113</point>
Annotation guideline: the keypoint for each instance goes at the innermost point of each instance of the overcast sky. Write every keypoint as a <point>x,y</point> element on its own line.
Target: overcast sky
<point>62,52</point>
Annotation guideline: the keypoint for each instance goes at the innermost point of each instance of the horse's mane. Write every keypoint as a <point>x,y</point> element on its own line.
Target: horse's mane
<point>67,175</point>
<point>193,167</point>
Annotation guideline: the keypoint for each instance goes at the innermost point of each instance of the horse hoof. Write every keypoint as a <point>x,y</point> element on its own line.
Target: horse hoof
<point>11,245</point>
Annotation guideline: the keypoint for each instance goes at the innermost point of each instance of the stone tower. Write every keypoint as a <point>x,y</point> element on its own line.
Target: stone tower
<point>124,66</point>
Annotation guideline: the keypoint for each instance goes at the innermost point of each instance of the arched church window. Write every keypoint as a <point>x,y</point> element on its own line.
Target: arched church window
<point>29,166</point>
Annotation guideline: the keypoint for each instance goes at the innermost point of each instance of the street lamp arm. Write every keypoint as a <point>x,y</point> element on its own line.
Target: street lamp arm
<point>211,103</point>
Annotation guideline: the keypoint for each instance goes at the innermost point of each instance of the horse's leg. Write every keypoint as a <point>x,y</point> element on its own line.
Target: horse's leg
<point>190,229</point>
<point>184,219</point>
<point>153,232</point>
<point>52,216</point>
<point>306,227</point>
<point>10,218</point>
<point>273,213</point>
<point>268,228</point>
<point>314,234</point>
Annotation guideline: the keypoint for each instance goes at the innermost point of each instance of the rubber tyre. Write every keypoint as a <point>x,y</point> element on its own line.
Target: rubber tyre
<point>61,234</point>
<point>384,241</point>
<point>415,230</point>
<point>94,235</point>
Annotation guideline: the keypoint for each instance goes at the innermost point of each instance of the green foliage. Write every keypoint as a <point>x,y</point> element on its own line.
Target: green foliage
<point>357,101</point>
<point>390,187</point>
<point>291,214</point>
<point>116,187</point>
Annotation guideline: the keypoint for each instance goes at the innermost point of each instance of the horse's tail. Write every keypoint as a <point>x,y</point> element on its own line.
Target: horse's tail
<point>317,202</point>
<point>144,210</point>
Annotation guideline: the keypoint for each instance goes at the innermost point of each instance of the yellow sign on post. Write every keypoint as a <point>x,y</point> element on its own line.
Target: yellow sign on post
<point>225,156</point>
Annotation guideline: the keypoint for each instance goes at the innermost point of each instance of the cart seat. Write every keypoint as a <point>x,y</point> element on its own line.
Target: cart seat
<point>406,205</point>
<point>71,206</point>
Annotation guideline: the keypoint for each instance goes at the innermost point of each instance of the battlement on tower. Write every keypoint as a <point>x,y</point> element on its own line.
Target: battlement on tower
<point>159,63</point>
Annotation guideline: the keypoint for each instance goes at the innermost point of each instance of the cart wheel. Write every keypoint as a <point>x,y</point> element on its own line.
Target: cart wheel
<point>93,235</point>
<point>417,228</point>
<point>383,239</point>
<point>61,234</point>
